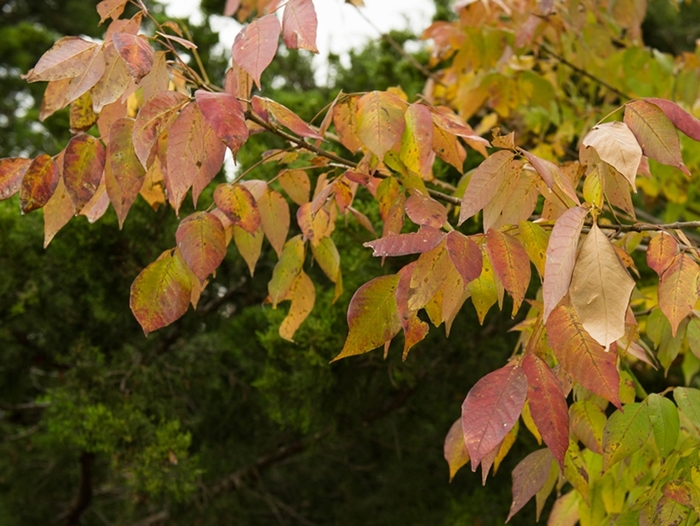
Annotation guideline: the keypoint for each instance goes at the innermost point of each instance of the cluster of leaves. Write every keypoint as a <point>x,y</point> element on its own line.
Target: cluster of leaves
<point>146,123</point>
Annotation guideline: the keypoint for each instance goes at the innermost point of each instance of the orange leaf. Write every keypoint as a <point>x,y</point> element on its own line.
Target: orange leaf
<point>57,212</point>
<point>661,252</point>
<point>38,183</point>
<point>297,185</point>
<point>380,121</point>
<point>345,121</point>
<point>156,116</point>
<point>274,218</point>
<point>423,210</point>
<point>678,290</point>
<point>303,296</point>
<point>485,182</point>
<point>12,170</point>
<point>83,165</point>
<point>238,204</point>
<point>511,264</point>
<point>124,174</point>
<point>136,52</point>
<point>202,243</point>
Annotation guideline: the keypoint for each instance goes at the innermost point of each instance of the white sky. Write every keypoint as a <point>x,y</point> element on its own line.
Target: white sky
<point>340,27</point>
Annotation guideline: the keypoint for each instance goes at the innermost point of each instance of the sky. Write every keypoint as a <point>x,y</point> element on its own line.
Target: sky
<point>340,27</point>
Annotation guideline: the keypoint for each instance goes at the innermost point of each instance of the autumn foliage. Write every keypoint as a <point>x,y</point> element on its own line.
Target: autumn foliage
<point>552,210</point>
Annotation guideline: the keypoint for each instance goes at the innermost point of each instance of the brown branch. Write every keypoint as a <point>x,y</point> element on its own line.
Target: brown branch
<point>84,497</point>
<point>647,227</point>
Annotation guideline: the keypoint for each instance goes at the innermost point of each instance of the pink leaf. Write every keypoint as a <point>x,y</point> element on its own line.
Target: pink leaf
<point>225,115</point>
<point>466,256</point>
<point>255,46</point>
<point>202,243</point>
<point>426,239</point>
<point>136,52</point>
<point>529,476</point>
<point>299,24</point>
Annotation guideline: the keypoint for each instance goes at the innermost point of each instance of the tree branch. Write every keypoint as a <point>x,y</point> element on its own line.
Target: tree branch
<point>84,496</point>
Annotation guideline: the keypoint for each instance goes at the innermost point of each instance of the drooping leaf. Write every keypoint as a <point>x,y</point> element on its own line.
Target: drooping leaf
<point>57,212</point>
<point>529,476</point>
<point>535,240</point>
<point>94,70</point>
<point>484,183</point>
<point>491,409</point>
<point>380,121</point>
<point>297,185</point>
<point>484,289</point>
<point>417,140</point>
<point>110,9</point>
<point>225,116</point>
<point>136,52</point>
<point>661,252</point>
<point>665,423</point>
<point>67,58</point>
<point>587,424</point>
<point>303,296</point>
<point>156,116</point>
<point>575,469</point>
<point>238,204</point>
<point>97,206</point>
<point>248,245</point>
<point>54,98</point>
<point>449,121</point>
<point>158,79</point>
<point>286,117</point>
<point>424,210</point>
<point>160,294</point>
<point>455,450</point>
<point>286,270</point>
<point>256,45</point>
<point>625,433</point>
<point>328,258</point>
<point>274,218</point>
<point>314,227</point>
<point>124,174</point>
<point>345,122</point>
<point>447,147</point>
<point>680,118</point>
<point>561,257</point>
<point>553,177</point>
<point>581,356</point>
<point>515,202</point>
<point>202,243</point>
<point>373,317</point>
<point>465,255</point>
<point>426,239</point>
<point>548,406</point>
<point>615,144</point>
<point>510,263</point>
<point>299,24</point>
<point>38,183</point>
<point>429,274</point>
<point>83,166</point>
<point>688,400</point>
<point>678,291</point>
<point>600,289</point>
<point>81,115</point>
<point>564,511</point>
<point>12,170</point>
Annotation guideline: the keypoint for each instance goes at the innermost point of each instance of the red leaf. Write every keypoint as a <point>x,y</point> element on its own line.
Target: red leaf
<point>426,239</point>
<point>156,115</point>
<point>255,46</point>
<point>225,115</point>
<point>38,183</point>
<point>161,293</point>
<point>380,121</point>
<point>661,251</point>
<point>548,406</point>
<point>529,476</point>
<point>83,165</point>
<point>561,257</point>
<point>510,263</point>
<point>238,204</point>
<point>274,217</point>
<point>12,170</point>
<point>202,243</point>
<point>484,183</point>
<point>455,450</point>
<point>136,52</point>
<point>491,409</point>
<point>124,174</point>
<point>67,58</point>
<point>299,25</point>
<point>581,356</point>
<point>465,255</point>
<point>680,118</point>
<point>423,210</point>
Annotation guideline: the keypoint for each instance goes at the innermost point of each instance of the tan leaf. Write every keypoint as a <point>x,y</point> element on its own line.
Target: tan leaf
<point>616,145</point>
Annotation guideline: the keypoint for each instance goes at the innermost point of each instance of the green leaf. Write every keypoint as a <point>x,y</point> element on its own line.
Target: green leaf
<point>688,400</point>
<point>286,270</point>
<point>665,423</point>
<point>625,433</point>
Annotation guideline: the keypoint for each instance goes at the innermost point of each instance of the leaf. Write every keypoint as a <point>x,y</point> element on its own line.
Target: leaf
<point>665,423</point>
<point>256,45</point>
<point>465,255</point>
<point>680,118</point>
<point>158,79</point>
<point>529,476</point>
<point>561,257</point>
<point>313,226</point>
<point>287,118</point>
<point>515,202</point>
<point>136,52</point>
<point>297,185</point>
<point>552,176</point>
<point>299,24</point>
<point>327,256</point>
<point>655,133</point>
<point>303,296</point>
<point>575,470</point>
<point>587,424</point>
<point>81,83</point>
<point>124,174</point>
<point>455,450</point>
<point>248,245</point>
<point>484,289</point>
<point>373,317</point>
<point>83,166</point>
<point>491,409</point>
<point>616,145</point>
<point>661,252</point>
<point>81,116</point>
<point>423,210</point>
<point>581,356</point>
<point>97,206</point>
<point>286,270</point>
<point>57,212</point>
<point>225,116</point>
<point>625,433</point>
<point>678,290</point>
<point>425,240</point>
<point>484,183</point>
<point>429,274</point>
<point>238,204</point>
<point>600,289</point>
<point>156,116</point>
<point>688,400</point>
<point>447,147</point>
<point>274,218</point>
<point>202,243</point>
<point>380,121</point>
<point>160,294</point>
<point>38,183</point>
<point>564,511</point>
<point>12,170</point>
<point>110,9</point>
<point>54,98</point>
<point>417,140</point>
<point>510,263</point>
<point>536,240</point>
<point>345,122</point>
<point>67,58</point>
<point>548,406</point>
